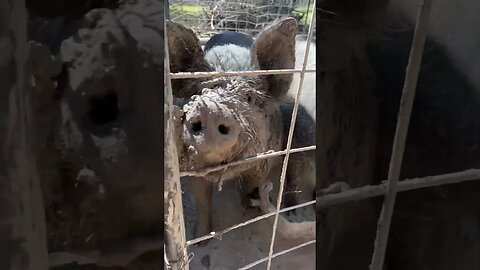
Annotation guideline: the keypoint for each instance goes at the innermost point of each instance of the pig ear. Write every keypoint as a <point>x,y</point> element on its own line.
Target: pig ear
<point>186,55</point>
<point>274,48</point>
<point>185,52</point>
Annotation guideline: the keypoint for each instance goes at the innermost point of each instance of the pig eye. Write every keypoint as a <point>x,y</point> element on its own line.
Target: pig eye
<point>197,126</point>
<point>223,129</point>
<point>103,109</point>
<point>249,99</point>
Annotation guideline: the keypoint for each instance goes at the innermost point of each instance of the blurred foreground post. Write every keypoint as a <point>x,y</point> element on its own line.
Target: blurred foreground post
<point>22,223</point>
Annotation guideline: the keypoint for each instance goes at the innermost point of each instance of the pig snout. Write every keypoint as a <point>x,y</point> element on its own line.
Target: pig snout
<point>212,128</point>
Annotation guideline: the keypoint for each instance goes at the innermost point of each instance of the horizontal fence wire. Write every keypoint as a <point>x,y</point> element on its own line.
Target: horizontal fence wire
<point>213,74</point>
<point>204,171</point>
<point>219,234</point>
<point>278,254</point>
<point>356,194</point>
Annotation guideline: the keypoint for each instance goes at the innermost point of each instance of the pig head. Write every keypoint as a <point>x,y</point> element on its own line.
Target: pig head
<point>101,169</point>
<point>227,119</point>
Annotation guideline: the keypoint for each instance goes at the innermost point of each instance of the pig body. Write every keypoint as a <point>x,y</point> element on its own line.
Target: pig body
<point>301,172</point>
<point>363,58</point>
<point>436,228</point>
<point>229,37</point>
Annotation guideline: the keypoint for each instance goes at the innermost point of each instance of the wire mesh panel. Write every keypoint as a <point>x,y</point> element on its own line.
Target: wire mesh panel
<point>208,17</point>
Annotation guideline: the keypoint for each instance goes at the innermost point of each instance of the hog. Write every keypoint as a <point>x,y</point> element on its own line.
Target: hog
<point>99,141</point>
<point>227,119</point>
<point>435,228</point>
<point>363,55</point>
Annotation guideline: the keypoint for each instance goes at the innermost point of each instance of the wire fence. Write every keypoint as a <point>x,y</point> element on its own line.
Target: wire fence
<point>327,197</point>
<point>207,17</point>
<point>232,20</point>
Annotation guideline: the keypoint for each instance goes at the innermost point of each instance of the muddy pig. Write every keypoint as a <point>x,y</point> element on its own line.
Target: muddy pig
<point>364,52</point>
<point>301,180</point>
<point>228,119</point>
<point>99,139</point>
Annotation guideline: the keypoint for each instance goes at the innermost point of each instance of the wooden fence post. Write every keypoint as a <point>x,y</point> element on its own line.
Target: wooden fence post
<point>175,242</point>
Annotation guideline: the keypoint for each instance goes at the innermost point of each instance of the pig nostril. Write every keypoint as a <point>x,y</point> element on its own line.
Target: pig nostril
<point>103,109</point>
<point>197,126</point>
<point>223,129</point>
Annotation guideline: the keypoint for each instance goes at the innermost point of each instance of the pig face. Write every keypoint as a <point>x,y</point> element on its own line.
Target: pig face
<point>109,137</point>
<point>231,118</point>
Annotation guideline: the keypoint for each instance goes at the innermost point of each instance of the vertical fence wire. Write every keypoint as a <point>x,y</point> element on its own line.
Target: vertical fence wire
<point>175,239</point>
<point>405,109</point>
<point>290,137</point>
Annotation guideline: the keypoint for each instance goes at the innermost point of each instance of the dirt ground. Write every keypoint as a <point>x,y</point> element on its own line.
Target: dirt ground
<point>244,245</point>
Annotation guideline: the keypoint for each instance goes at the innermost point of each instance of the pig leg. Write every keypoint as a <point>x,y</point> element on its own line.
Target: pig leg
<point>249,189</point>
<point>293,181</point>
<point>291,188</point>
<point>301,180</point>
<point>202,191</point>
<point>304,231</point>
